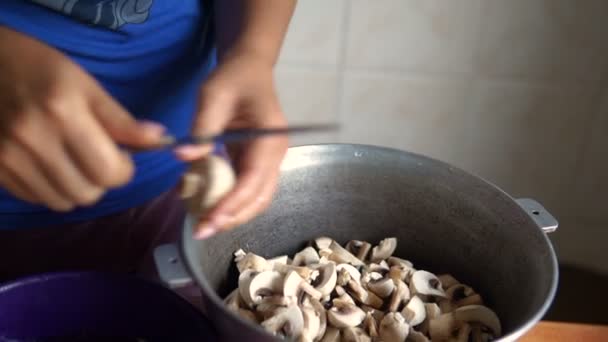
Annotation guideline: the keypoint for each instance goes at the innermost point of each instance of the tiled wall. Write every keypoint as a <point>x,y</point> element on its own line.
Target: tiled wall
<point>515,91</point>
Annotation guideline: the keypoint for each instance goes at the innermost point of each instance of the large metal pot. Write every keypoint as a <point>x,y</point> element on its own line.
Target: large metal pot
<point>445,219</point>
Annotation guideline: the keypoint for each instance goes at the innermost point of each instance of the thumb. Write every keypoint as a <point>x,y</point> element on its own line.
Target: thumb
<point>122,127</point>
<point>213,114</point>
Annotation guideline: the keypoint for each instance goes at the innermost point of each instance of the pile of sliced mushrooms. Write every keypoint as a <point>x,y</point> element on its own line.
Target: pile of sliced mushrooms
<point>328,292</point>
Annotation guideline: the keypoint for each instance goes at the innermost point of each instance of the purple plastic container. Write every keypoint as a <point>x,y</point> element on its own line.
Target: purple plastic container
<point>97,305</point>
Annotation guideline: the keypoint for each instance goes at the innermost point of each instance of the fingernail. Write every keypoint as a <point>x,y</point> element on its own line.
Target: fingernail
<point>205,231</point>
<point>152,127</point>
<point>190,151</point>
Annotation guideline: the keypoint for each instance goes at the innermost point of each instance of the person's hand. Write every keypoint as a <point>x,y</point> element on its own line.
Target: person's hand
<point>59,129</point>
<point>240,93</point>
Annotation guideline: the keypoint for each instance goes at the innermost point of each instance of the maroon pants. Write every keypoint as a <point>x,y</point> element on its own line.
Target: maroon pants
<point>122,242</point>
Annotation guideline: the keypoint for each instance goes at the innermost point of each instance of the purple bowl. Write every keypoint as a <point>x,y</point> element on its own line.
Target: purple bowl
<point>95,304</point>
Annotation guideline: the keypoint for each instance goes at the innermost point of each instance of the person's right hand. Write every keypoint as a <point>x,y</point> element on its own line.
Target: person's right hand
<point>59,129</point>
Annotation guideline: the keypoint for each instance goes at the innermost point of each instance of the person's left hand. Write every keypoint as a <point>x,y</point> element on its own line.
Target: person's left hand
<point>240,93</point>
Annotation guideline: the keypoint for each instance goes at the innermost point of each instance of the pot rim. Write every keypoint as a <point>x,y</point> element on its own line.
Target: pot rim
<point>517,332</point>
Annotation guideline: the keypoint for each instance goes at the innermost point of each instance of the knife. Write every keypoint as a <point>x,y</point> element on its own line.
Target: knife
<point>237,135</point>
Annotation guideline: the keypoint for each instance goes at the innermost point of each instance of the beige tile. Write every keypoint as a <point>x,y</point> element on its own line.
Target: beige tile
<point>544,39</point>
<point>314,33</point>
<point>527,138</point>
<point>308,96</point>
<point>429,35</point>
<point>419,115</point>
<point>591,187</point>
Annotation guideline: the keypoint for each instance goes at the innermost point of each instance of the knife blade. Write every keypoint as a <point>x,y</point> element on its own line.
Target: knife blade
<point>238,135</point>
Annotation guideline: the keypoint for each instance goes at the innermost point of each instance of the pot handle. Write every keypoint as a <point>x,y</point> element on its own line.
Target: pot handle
<point>170,268</point>
<point>539,214</point>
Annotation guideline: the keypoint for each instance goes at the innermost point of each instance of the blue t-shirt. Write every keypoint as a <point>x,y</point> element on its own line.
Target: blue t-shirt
<point>151,55</point>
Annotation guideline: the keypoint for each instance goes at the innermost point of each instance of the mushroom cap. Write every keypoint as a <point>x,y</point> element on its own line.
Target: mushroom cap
<point>479,314</point>
<point>394,261</point>
<point>305,257</point>
<point>286,321</point>
<point>394,328</point>
<point>414,312</point>
<point>426,283</point>
<point>352,334</point>
<point>341,256</point>
<point>326,281</point>
<point>291,284</point>
<point>351,270</point>
<point>344,315</point>
<point>254,286</point>
<point>382,287</point>
<point>233,300</point>
<point>385,249</point>
<point>463,333</point>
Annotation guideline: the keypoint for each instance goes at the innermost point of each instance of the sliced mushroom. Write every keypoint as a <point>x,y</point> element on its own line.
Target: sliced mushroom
<point>247,314</point>
<point>293,284</point>
<point>351,334</point>
<point>339,290</point>
<point>370,324</point>
<point>377,314</point>
<point>443,326</point>
<point>394,261</point>
<point>447,280</point>
<point>479,314</point>
<point>382,287</point>
<point>416,336</point>
<point>326,281</point>
<point>394,328</point>
<point>345,298</point>
<point>331,335</point>
<point>363,296</point>
<point>397,273</point>
<point>254,286</point>
<point>414,312</point>
<point>304,271</point>
<point>287,322</point>
<point>342,256</point>
<point>426,283</point>
<point>399,296</point>
<point>359,248</point>
<point>320,310</point>
<point>305,257</point>
<point>312,323</point>
<point>279,260</point>
<point>253,262</point>
<point>323,242</point>
<point>381,267</point>
<point>239,254</point>
<point>350,270</point>
<point>344,314</point>
<point>463,333</point>
<point>233,300</point>
<point>432,310</point>
<point>384,250</point>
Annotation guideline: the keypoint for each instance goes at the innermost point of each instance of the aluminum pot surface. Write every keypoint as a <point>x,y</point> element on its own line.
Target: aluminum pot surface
<point>446,221</point>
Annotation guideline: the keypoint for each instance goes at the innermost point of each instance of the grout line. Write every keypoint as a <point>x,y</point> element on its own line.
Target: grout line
<point>341,65</point>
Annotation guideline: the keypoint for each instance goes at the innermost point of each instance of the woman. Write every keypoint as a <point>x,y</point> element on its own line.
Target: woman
<point>81,78</point>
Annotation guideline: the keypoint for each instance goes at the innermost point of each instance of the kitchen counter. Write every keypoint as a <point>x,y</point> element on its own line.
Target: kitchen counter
<point>562,332</point>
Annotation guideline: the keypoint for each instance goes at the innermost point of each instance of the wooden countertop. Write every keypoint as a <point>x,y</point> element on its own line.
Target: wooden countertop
<point>562,332</point>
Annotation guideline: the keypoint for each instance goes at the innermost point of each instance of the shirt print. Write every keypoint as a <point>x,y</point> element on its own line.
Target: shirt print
<point>111,14</point>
